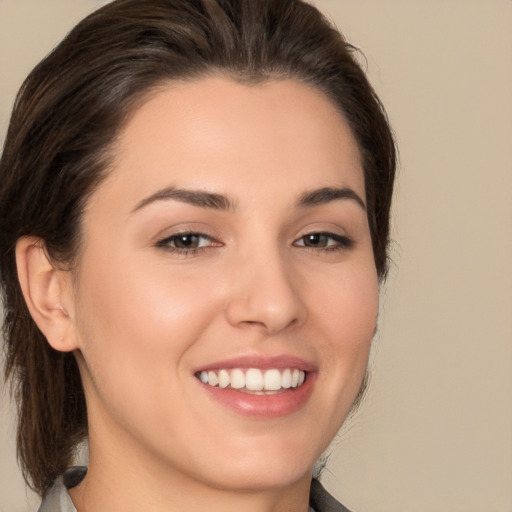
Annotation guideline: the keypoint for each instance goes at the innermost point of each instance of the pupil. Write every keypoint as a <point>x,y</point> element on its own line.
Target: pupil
<point>186,241</point>
<point>315,240</point>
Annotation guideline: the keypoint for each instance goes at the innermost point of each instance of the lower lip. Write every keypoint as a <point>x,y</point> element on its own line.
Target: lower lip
<point>263,406</point>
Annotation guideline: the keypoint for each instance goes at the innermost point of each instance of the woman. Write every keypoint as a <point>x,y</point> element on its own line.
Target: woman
<point>194,214</point>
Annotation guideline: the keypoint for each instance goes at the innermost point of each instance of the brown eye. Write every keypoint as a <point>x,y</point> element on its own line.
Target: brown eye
<point>327,241</point>
<point>188,241</point>
<point>185,242</point>
<point>316,240</point>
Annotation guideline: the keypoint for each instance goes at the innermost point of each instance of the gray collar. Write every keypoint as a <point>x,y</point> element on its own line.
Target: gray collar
<point>57,499</point>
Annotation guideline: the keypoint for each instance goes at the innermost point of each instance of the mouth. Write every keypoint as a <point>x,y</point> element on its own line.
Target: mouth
<point>259,387</point>
<point>254,380</point>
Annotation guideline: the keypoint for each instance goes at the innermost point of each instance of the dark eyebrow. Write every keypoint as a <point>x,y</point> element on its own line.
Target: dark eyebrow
<point>327,194</point>
<point>199,198</point>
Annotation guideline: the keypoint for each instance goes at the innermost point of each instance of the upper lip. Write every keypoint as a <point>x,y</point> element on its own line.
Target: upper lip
<point>262,362</point>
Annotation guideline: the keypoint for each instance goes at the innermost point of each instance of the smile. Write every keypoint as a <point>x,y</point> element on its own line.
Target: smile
<point>254,380</point>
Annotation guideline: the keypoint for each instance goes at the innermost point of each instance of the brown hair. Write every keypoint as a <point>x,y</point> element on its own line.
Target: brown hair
<point>66,117</point>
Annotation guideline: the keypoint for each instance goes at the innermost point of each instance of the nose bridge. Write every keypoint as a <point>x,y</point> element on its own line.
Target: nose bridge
<point>267,292</point>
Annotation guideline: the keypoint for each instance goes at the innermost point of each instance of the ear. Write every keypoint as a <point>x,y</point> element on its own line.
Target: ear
<point>48,293</point>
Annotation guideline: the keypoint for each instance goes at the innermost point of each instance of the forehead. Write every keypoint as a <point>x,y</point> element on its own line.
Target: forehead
<point>216,133</point>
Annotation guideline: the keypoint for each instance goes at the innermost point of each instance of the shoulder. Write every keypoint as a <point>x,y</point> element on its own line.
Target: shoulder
<point>322,501</point>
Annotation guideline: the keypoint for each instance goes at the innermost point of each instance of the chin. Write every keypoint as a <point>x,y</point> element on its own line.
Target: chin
<point>263,477</point>
<point>271,463</point>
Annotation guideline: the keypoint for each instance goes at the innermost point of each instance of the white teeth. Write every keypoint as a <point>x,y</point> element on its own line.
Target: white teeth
<point>237,379</point>
<point>272,381</point>
<point>224,379</point>
<point>287,378</point>
<point>212,379</point>
<point>254,379</point>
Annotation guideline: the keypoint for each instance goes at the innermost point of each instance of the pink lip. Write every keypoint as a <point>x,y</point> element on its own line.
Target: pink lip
<point>262,362</point>
<point>262,406</point>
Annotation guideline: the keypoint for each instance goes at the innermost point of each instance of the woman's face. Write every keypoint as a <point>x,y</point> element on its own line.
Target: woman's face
<point>230,243</point>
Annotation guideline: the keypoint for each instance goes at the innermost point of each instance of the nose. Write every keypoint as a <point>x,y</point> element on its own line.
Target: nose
<point>266,295</point>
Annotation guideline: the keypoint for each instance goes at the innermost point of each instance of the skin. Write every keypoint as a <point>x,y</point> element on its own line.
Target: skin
<point>142,317</point>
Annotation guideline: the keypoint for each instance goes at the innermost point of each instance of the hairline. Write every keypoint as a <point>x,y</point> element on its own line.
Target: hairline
<point>141,97</point>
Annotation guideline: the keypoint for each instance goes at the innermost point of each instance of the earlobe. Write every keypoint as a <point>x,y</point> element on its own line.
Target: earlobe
<point>47,292</point>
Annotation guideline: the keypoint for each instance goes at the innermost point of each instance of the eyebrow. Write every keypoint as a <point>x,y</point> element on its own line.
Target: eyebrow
<point>328,194</point>
<point>199,198</point>
<point>215,201</point>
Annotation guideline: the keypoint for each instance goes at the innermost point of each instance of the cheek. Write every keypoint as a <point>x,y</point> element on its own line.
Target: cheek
<point>136,320</point>
<point>346,312</point>
<point>348,305</point>
<point>138,327</point>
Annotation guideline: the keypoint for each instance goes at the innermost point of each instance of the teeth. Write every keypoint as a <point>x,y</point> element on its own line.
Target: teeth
<point>237,379</point>
<point>224,379</point>
<point>213,380</point>
<point>286,381</point>
<point>272,380</point>
<point>254,379</point>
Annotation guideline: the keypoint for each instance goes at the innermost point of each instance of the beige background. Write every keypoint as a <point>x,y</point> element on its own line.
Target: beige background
<point>435,432</point>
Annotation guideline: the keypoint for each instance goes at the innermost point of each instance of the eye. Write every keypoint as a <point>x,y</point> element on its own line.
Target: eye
<point>324,241</point>
<point>187,242</point>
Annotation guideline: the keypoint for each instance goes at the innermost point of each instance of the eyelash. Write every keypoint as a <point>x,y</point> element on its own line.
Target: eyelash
<point>341,242</point>
<point>190,251</point>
